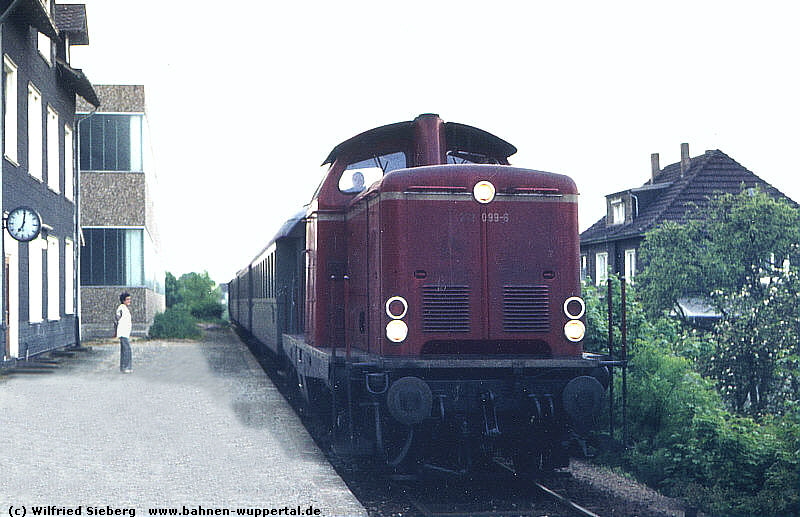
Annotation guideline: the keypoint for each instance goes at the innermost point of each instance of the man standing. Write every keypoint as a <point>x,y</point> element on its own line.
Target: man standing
<point>124,324</point>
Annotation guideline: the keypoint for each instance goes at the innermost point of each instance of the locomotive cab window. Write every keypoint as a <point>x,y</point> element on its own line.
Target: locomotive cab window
<point>457,157</point>
<point>360,175</point>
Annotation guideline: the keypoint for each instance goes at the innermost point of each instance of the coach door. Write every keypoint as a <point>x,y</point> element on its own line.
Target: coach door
<point>11,297</point>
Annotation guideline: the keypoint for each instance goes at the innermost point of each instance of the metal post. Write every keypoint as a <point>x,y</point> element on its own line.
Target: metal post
<point>624,358</point>
<point>610,358</point>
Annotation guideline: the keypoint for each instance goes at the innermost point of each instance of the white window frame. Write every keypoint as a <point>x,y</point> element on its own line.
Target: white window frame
<point>10,126</point>
<point>617,211</point>
<point>53,278</point>
<point>601,267</point>
<point>35,162</point>
<point>630,265</point>
<point>35,280</point>
<point>69,282</point>
<point>69,163</point>
<point>53,155</point>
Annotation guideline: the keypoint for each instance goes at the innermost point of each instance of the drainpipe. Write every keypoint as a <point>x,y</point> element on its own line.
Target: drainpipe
<point>76,180</point>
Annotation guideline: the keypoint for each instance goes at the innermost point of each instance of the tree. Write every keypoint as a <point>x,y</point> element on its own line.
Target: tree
<point>721,248</point>
<point>757,357</point>
<point>197,288</point>
<point>733,254</point>
<point>196,293</point>
<point>171,289</point>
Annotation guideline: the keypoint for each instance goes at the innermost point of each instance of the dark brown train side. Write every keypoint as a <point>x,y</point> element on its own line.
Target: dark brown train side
<point>427,301</point>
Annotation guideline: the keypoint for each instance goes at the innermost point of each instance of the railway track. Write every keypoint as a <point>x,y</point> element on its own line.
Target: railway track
<point>498,493</point>
<point>503,495</point>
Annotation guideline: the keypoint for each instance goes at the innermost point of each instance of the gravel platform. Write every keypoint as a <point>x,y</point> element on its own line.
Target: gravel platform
<point>197,425</point>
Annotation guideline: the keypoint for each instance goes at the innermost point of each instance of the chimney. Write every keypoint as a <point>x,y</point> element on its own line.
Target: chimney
<point>685,161</point>
<point>656,168</point>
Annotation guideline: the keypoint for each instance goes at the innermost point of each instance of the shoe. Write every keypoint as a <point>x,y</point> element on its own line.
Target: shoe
<point>127,370</point>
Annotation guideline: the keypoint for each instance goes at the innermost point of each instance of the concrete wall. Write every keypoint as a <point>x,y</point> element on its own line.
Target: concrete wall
<point>113,199</point>
<point>99,303</point>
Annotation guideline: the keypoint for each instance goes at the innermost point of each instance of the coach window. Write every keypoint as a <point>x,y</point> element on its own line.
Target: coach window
<point>360,175</point>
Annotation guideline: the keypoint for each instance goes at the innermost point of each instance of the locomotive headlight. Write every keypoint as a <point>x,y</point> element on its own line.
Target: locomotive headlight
<point>574,330</point>
<point>483,192</point>
<point>574,307</point>
<point>396,307</point>
<point>396,331</point>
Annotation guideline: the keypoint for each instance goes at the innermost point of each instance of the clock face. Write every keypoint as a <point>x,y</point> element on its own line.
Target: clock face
<point>24,224</point>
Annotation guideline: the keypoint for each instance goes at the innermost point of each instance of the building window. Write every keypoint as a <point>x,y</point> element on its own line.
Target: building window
<point>53,279</point>
<point>617,211</point>
<point>35,280</point>
<point>69,164</point>
<point>113,257</point>
<point>45,47</point>
<point>10,99</point>
<point>584,270</point>
<point>601,268</point>
<point>34,132</point>
<point>69,283</point>
<point>53,165</point>
<point>111,143</point>
<point>630,265</point>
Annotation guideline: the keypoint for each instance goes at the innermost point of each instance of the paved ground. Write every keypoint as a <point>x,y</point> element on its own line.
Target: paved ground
<point>196,424</point>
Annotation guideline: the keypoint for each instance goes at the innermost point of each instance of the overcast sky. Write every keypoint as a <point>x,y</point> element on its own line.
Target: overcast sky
<point>246,99</point>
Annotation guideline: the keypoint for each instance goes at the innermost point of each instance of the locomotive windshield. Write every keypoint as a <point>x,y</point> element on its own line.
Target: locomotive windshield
<point>458,156</point>
<point>360,175</point>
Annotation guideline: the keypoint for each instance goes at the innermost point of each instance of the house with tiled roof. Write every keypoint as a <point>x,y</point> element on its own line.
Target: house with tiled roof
<point>612,243</point>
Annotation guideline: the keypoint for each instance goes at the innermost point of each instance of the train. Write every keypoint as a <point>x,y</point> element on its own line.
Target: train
<point>426,304</point>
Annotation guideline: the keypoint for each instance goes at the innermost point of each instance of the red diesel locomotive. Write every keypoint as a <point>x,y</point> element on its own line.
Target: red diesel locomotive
<point>427,302</point>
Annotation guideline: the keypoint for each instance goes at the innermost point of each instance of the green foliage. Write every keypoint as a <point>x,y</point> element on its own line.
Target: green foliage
<point>757,355</point>
<point>207,310</point>
<point>196,288</point>
<point>596,299</point>
<point>172,290</point>
<point>197,292</point>
<point>685,442</point>
<point>175,323</point>
<point>192,297</point>
<point>732,254</point>
<point>720,248</point>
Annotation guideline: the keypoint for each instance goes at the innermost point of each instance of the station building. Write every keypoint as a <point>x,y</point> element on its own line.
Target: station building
<point>39,284</point>
<point>120,242</point>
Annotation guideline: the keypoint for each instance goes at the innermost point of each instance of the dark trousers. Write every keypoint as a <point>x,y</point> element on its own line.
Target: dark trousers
<point>125,358</point>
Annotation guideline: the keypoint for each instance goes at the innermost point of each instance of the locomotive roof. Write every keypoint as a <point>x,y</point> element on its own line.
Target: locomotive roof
<point>458,137</point>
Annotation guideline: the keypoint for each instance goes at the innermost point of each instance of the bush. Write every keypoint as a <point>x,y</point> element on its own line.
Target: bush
<point>687,444</point>
<point>175,323</point>
<point>206,310</point>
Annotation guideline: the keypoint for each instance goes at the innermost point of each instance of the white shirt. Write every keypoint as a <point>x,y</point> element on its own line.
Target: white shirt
<point>124,323</point>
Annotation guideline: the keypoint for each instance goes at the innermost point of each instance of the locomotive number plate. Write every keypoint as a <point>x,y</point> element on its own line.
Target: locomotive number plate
<point>486,217</point>
<point>494,217</point>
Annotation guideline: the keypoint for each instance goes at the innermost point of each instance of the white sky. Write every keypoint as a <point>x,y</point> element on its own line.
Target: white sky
<point>246,99</point>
